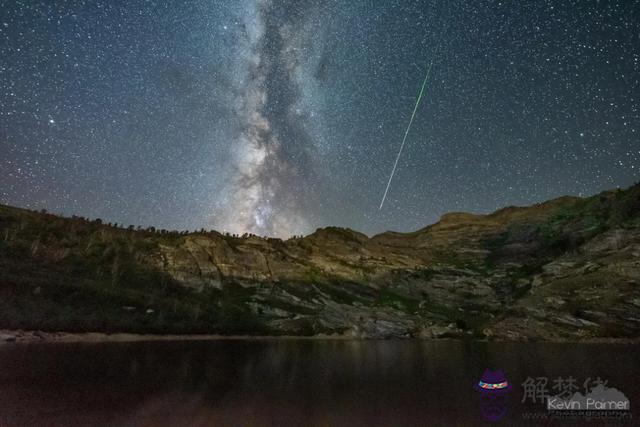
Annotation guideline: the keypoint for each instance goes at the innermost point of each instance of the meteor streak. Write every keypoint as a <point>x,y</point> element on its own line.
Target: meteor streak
<point>406,132</point>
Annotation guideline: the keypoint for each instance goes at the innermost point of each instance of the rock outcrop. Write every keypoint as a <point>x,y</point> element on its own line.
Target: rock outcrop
<point>566,269</point>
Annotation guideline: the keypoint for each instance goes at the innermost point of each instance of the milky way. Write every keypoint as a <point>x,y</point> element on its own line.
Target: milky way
<point>272,154</point>
<point>278,117</point>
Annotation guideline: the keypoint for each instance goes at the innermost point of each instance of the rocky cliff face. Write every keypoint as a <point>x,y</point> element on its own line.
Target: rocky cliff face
<point>565,269</point>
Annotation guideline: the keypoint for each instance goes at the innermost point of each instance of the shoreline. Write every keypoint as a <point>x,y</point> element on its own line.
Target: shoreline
<point>8,336</point>
<point>16,337</point>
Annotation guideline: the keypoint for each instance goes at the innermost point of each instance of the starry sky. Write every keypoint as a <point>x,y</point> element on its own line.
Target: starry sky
<point>278,117</point>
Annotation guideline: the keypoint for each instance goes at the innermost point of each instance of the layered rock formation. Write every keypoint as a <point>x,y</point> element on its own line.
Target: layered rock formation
<point>565,269</point>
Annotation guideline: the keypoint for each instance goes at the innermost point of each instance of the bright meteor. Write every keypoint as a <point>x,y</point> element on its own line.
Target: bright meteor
<point>406,132</point>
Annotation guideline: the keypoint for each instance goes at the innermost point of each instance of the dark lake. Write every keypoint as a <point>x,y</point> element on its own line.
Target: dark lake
<point>290,382</point>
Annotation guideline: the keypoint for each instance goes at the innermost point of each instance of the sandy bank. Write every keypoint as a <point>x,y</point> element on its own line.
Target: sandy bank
<point>20,336</point>
<point>8,337</point>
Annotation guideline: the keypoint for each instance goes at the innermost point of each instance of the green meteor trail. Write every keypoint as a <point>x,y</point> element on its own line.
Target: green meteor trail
<point>406,132</point>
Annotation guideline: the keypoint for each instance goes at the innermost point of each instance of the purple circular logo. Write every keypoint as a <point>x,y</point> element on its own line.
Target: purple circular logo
<point>494,390</point>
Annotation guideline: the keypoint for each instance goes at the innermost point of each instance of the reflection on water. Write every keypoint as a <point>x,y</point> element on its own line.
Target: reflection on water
<point>285,382</point>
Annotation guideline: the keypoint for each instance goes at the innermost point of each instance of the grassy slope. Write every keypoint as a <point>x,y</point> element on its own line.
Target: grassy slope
<point>77,275</point>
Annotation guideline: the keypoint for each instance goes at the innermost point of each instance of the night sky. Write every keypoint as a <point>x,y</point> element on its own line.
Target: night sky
<point>279,117</point>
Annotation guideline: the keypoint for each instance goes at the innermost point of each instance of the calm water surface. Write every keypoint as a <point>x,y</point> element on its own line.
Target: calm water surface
<point>288,382</point>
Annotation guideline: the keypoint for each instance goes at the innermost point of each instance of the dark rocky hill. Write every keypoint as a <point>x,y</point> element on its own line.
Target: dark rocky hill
<point>566,269</point>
